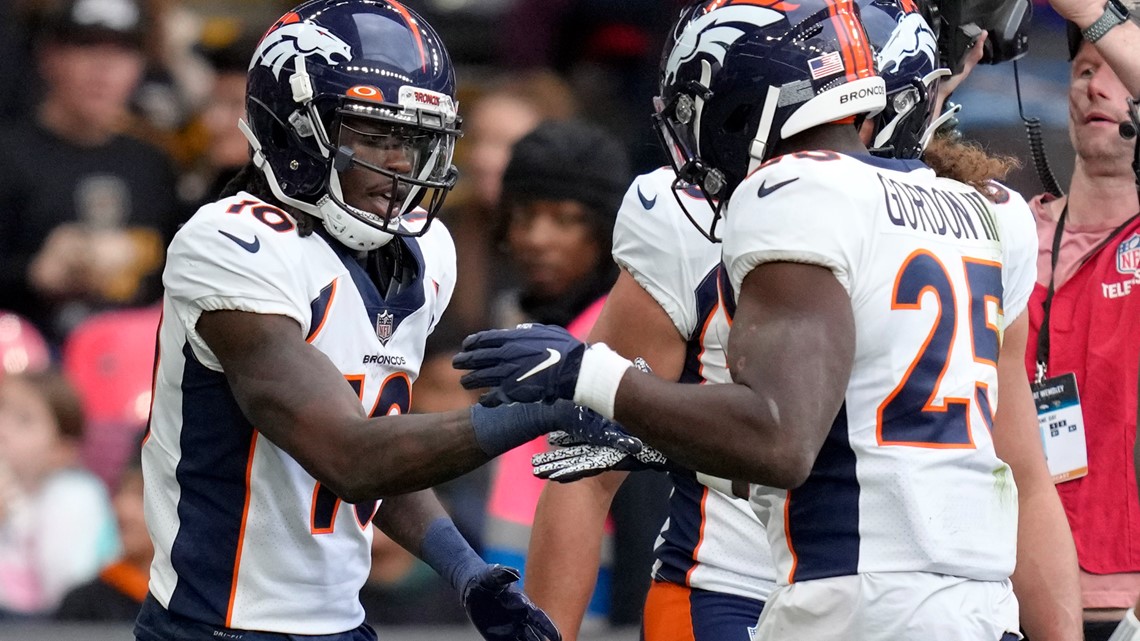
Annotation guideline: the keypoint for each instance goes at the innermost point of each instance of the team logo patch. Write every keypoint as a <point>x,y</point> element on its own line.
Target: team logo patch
<point>1128,256</point>
<point>716,32</point>
<point>384,326</point>
<point>288,42</point>
<point>913,38</point>
<point>828,64</point>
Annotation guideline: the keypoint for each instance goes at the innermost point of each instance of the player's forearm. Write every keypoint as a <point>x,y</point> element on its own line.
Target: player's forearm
<point>565,548</point>
<point>405,518</point>
<point>419,524</point>
<point>1119,47</point>
<point>1046,580</point>
<point>395,455</point>
<point>728,430</point>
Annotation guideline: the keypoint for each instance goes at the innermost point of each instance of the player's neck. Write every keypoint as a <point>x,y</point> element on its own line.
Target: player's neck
<point>840,138</point>
<point>1101,197</point>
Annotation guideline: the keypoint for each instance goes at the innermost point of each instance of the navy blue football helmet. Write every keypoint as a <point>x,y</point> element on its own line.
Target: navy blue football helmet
<point>739,76</point>
<point>329,65</point>
<point>906,50</point>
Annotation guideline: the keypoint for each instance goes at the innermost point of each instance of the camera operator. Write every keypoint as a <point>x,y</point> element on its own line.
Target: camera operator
<point>1115,37</point>
<point>1087,291</point>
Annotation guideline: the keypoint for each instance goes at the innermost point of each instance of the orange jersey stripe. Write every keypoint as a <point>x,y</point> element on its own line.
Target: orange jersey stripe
<point>700,536</point>
<point>241,532</point>
<point>788,537</point>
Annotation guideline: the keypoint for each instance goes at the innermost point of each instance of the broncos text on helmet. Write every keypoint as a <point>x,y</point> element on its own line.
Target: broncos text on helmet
<point>742,75</point>
<point>371,61</point>
<point>906,50</point>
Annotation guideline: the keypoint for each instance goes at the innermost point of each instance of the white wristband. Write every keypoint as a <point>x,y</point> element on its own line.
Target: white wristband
<point>1128,630</point>
<point>599,377</point>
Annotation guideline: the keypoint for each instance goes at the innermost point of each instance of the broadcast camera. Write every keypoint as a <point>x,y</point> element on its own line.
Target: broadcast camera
<point>958,24</point>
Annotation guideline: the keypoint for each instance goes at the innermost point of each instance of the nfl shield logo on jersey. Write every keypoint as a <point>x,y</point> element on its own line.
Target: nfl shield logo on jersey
<point>1128,256</point>
<point>384,326</point>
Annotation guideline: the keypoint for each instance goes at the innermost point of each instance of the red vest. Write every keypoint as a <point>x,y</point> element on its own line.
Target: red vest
<point>1094,332</point>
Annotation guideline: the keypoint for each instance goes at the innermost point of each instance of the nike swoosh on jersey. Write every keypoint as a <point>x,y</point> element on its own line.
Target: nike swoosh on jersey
<point>251,247</point>
<point>765,189</point>
<point>550,361</point>
<point>645,202</point>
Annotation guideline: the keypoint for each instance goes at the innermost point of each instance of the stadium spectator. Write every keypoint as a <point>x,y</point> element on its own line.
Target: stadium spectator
<point>507,109</point>
<point>225,149</point>
<point>57,527</point>
<point>83,209</point>
<point>117,593</point>
<point>561,191</point>
<point>1085,293</point>
<point>22,347</point>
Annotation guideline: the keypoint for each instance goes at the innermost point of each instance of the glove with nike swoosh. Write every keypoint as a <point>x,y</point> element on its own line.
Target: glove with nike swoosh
<point>534,362</point>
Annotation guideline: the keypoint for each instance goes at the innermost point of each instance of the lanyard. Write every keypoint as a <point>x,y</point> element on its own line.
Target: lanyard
<point>1043,333</point>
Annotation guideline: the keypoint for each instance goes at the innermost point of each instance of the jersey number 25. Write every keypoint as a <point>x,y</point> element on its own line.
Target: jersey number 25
<point>909,415</point>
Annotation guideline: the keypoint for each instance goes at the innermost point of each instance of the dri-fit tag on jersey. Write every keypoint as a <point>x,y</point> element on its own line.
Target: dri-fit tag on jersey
<point>1062,427</point>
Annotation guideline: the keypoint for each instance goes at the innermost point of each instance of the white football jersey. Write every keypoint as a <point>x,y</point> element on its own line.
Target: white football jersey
<point>907,480</point>
<point>244,537</point>
<point>711,541</point>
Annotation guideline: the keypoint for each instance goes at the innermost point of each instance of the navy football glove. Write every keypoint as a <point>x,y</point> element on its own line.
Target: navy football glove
<point>501,612</point>
<point>582,426</point>
<point>530,363</point>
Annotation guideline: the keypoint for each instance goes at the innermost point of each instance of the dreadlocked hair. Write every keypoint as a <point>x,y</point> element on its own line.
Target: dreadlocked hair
<point>250,180</point>
<point>967,162</point>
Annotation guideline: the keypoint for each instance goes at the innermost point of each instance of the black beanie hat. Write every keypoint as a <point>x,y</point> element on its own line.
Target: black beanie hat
<point>569,160</point>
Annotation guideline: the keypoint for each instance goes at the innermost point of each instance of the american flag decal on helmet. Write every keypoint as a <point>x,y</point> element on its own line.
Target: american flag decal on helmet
<point>828,64</point>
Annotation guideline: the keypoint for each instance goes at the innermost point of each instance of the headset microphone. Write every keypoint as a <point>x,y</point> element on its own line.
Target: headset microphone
<point>1127,130</point>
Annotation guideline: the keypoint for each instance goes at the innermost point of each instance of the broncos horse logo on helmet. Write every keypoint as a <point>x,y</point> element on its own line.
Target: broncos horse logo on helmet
<point>376,60</point>
<point>287,42</point>
<point>906,49</point>
<point>740,76</point>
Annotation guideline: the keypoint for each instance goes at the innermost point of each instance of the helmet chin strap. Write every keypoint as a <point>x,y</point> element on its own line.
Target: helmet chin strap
<point>344,227</point>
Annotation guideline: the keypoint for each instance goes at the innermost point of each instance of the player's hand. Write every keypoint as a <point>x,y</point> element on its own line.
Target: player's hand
<point>529,363</point>
<point>583,426</point>
<point>501,612</point>
<point>568,464</point>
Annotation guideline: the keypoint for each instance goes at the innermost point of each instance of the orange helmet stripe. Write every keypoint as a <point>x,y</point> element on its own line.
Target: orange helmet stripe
<point>415,30</point>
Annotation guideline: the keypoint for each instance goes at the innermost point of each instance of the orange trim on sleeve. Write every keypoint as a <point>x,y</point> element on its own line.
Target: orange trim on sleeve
<point>324,317</point>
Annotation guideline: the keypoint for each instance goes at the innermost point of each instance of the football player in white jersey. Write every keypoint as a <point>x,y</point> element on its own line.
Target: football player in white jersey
<point>889,512</point>
<point>294,322</point>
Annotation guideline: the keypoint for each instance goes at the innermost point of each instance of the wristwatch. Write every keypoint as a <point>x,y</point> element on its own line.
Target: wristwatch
<point>1114,13</point>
